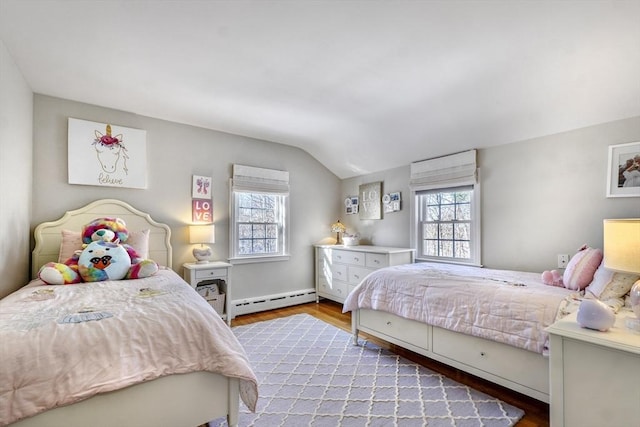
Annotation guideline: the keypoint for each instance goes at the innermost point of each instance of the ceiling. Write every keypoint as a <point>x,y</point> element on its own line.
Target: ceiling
<point>362,86</point>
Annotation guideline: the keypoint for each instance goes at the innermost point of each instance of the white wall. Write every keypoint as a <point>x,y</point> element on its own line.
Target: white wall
<point>175,153</point>
<point>540,197</point>
<point>16,115</point>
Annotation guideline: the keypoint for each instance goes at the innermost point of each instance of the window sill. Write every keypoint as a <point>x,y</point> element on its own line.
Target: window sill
<point>447,261</point>
<point>256,259</point>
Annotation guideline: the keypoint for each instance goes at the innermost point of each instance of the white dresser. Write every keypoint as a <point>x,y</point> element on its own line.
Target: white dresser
<point>339,268</point>
<point>594,376</point>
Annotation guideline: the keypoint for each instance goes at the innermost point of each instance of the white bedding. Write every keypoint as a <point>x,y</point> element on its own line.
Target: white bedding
<point>505,306</point>
<point>63,344</point>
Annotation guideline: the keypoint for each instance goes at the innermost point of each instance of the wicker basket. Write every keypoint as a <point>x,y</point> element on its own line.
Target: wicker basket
<point>217,302</point>
<point>211,293</point>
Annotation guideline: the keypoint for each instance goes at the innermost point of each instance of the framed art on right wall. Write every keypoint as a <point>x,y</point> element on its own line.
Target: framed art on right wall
<point>623,171</point>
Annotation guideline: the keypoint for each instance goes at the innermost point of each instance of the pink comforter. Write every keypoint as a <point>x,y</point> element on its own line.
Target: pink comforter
<point>63,344</point>
<point>506,306</point>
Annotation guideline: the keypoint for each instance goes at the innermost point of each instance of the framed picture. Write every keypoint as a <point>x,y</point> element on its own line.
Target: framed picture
<point>201,187</point>
<point>391,202</point>
<point>106,155</point>
<point>623,171</point>
<point>351,205</point>
<point>370,195</point>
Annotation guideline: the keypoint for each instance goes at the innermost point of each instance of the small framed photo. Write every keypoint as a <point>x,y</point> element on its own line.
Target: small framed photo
<point>201,187</point>
<point>623,170</point>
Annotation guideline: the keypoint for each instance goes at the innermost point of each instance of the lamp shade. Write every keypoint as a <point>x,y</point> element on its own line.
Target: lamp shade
<point>622,245</point>
<point>338,227</point>
<point>202,233</point>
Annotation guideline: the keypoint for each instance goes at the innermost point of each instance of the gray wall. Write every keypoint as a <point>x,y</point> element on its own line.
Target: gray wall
<point>16,119</point>
<point>175,153</point>
<point>540,197</point>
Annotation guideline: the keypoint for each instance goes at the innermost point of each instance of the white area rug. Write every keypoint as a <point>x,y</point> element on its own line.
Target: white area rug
<point>311,374</point>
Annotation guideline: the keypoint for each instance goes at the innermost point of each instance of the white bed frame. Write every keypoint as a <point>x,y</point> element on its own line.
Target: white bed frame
<point>517,369</point>
<point>187,400</point>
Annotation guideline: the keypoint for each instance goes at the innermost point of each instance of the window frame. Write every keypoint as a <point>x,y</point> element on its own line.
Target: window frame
<point>475,232</point>
<point>282,221</point>
<point>259,181</point>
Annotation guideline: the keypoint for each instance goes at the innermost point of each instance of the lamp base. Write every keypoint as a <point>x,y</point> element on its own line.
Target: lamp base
<point>203,255</point>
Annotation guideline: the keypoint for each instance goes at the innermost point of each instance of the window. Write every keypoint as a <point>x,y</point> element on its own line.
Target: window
<point>446,209</point>
<point>259,214</point>
<point>260,220</point>
<point>445,224</point>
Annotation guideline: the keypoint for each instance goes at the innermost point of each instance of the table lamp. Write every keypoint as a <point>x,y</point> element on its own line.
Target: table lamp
<point>622,253</point>
<point>202,234</point>
<point>338,227</point>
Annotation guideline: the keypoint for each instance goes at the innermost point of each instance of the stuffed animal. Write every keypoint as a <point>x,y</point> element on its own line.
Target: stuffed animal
<point>552,278</point>
<point>105,256</point>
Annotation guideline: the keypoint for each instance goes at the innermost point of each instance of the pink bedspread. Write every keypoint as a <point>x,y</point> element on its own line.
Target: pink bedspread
<point>506,306</point>
<point>63,344</point>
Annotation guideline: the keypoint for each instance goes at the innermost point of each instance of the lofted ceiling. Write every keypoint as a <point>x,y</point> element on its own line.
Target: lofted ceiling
<point>362,86</point>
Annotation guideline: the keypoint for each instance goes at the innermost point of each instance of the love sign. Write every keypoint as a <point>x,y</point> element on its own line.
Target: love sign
<point>202,211</point>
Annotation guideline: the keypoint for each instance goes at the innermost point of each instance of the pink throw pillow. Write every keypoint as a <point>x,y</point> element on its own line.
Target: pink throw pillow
<point>581,268</point>
<point>72,241</point>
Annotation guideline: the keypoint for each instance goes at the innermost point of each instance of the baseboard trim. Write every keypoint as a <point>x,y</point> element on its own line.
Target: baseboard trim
<point>270,302</point>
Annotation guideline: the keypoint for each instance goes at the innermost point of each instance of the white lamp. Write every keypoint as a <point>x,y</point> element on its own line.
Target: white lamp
<point>622,253</point>
<point>202,234</point>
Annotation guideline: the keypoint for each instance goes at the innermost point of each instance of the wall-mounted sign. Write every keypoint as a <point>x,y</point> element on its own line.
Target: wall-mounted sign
<point>202,211</point>
<point>370,200</point>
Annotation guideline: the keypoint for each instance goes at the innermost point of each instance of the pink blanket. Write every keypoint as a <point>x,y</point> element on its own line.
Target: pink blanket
<point>505,306</point>
<point>63,344</point>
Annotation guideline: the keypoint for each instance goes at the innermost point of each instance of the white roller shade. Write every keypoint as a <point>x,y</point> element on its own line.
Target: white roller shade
<point>256,180</point>
<point>456,169</point>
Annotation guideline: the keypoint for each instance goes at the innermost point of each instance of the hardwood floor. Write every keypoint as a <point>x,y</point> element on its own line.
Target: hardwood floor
<point>536,412</point>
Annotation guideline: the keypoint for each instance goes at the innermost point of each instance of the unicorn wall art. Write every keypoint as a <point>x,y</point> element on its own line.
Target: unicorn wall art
<point>104,154</point>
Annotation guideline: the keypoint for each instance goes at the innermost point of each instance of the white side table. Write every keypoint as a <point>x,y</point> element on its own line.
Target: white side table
<point>594,376</point>
<point>196,274</point>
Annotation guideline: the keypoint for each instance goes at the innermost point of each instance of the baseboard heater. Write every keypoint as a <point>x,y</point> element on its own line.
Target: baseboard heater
<point>269,302</point>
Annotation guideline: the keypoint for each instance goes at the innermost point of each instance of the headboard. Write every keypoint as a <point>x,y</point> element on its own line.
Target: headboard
<point>48,235</point>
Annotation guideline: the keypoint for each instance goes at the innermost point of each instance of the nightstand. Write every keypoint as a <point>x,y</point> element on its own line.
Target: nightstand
<point>217,272</point>
<point>594,376</point>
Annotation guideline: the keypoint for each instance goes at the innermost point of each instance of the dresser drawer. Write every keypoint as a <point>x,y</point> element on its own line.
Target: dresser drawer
<point>211,274</point>
<point>347,257</point>
<point>377,260</point>
<point>336,289</point>
<point>356,274</point>
<point>339,272</point>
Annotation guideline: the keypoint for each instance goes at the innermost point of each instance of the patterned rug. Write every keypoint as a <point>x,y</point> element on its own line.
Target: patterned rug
<point>311,374</point>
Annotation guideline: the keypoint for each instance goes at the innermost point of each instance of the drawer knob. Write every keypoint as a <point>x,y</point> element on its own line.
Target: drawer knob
<point>356,259</point>
<point>388,322</point>
<point>375,261</point>
<point>356,276</point>
<point>482,353</point>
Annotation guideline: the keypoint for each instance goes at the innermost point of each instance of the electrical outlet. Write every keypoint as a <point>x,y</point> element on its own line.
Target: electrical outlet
<point>563,260</point>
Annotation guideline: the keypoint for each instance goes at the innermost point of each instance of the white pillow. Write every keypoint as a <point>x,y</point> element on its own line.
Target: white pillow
<point>609,284</point>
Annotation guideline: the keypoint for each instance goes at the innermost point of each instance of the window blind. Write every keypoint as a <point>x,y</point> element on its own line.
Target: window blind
<point>259,180</point>
<point>456,169</point>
